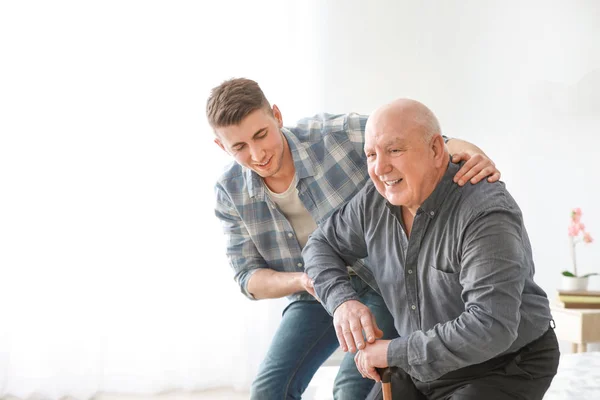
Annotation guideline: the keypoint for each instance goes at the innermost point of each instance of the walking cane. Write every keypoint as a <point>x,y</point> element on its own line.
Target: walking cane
<point>386,382</point>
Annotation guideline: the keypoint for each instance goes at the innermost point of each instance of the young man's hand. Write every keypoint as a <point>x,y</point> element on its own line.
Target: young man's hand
<point>477,166</point>
<point>350,319</point>
<point>308,285</point>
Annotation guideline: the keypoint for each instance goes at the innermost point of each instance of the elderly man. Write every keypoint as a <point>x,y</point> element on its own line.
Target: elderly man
<point>454,265</point>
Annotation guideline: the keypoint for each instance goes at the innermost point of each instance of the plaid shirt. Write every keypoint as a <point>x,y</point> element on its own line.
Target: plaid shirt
<point>331,168</point>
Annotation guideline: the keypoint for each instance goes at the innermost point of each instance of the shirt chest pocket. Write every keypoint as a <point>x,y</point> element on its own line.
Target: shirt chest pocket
<point>445,291</point>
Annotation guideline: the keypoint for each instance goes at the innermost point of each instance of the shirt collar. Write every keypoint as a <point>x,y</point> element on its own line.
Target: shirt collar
<point>302,163</point>
<point>441,191</point>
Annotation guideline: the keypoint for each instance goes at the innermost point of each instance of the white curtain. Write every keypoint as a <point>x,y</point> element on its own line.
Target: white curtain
<point>112,271</point>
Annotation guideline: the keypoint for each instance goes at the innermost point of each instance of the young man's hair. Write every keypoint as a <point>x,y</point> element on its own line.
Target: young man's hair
<point>233,100</point>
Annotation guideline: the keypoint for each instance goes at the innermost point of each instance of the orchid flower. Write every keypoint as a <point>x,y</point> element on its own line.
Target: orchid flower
<point>576,229</point>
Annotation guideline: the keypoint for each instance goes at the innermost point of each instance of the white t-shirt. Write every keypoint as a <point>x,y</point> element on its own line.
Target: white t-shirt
<point>291,206</point>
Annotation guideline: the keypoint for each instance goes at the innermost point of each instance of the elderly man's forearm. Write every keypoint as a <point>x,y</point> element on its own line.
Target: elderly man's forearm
<point>448,347</point>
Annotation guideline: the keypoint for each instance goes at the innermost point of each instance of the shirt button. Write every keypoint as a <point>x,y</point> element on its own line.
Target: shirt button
<point>299,264</point>
<point>432,213</point>
<point>410,271</point>
<point>413,307</point>
<point>273,206</point>
<point>290,235</point>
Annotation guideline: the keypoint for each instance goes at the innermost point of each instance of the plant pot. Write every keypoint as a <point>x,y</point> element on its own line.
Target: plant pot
<point>574,283</point>
<point>594,283</point>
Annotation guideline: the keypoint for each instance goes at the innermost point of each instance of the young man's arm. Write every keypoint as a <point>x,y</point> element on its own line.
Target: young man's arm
<point>477,164</point>
<point>257,281</point>
<point>266,283</point>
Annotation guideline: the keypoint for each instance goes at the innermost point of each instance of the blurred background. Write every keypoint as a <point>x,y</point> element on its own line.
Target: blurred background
<point>112,269</point>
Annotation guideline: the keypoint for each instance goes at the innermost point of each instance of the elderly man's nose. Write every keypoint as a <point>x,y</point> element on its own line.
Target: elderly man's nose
<point>381,166</point>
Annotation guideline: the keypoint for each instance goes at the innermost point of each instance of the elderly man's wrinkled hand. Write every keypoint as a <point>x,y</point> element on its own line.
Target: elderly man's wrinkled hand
<point>476,167</point>
<point>372,357</point>
<point>350,319</point>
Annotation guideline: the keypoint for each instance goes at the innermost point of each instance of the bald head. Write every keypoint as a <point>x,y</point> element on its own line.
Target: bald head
<point>406,155</point>
<point>409,116</point>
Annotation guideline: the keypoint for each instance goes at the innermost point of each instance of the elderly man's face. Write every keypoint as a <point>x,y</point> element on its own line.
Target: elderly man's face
<point>401,163</point>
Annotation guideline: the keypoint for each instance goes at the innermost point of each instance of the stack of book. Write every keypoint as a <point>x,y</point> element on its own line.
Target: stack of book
<point>579,299</point>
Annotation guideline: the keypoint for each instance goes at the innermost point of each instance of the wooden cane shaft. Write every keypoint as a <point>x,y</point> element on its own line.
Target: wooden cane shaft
<point>387,391</point>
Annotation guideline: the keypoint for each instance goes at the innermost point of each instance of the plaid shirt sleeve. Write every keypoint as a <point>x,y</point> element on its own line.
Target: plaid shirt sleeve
<point>241,251</point>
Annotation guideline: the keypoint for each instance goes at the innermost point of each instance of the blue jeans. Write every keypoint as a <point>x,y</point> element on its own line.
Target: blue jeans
<point>304,340</point>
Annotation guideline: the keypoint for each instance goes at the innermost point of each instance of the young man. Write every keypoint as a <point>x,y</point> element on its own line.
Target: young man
<point>284,182</point>
<point>454,265</point>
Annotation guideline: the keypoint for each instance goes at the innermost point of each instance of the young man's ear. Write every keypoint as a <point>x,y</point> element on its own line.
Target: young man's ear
<point>220,144</point>
<point>277,115</point>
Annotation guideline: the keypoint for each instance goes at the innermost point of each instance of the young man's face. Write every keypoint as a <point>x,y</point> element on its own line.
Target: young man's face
<point>256,142</point>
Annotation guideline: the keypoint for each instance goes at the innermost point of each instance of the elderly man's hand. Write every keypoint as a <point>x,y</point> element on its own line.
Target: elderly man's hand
<point>477,166</point>
<point>350,319</point>
<point>373,356</point>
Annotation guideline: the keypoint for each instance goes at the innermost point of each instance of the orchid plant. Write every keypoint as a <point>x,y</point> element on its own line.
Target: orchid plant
<point>577,234</point>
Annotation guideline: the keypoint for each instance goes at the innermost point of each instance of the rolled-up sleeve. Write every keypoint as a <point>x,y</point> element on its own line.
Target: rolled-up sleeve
<point>492,275</point>
<point>241,252</point>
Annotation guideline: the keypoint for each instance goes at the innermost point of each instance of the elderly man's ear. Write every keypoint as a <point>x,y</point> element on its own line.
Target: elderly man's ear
<point>440,153</point>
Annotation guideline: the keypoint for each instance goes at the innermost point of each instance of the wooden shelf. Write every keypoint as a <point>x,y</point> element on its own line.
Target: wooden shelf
<point>578,326</point>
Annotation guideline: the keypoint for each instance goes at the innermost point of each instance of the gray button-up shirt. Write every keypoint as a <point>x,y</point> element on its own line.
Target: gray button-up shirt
<point>460,288</point>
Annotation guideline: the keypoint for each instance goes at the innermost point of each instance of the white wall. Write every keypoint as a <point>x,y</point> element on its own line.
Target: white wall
<point>520,81</point>
<point>112,262</point>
